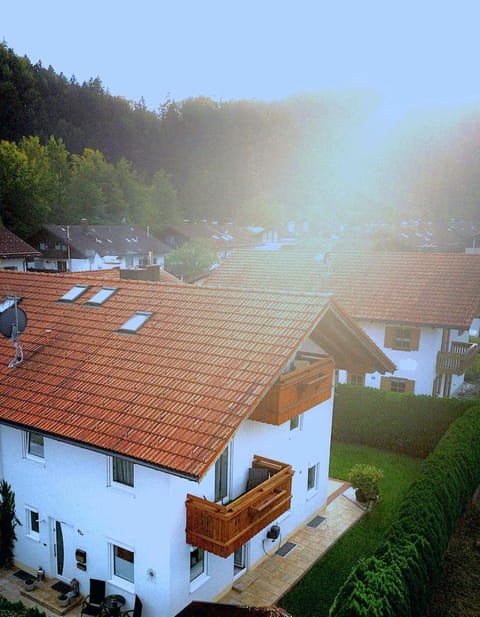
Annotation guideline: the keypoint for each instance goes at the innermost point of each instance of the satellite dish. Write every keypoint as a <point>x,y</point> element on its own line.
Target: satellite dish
<point>13,321</point>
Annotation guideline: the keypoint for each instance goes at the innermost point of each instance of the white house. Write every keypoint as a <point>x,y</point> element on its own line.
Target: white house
<point>417,307</point>
<point>134,413</point>
<point>14,252</point>
<point>79,248</point>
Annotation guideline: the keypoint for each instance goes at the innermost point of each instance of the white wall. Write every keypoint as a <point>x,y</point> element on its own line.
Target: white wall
<point>17,263</point>
<point>419,366</point>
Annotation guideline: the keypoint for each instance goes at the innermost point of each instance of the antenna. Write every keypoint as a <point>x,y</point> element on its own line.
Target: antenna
<point>13,322</point>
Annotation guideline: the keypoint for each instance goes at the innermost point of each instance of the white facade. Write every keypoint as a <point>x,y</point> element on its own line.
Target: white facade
<point>70,488</point>
<point>97,262</point>
<point>13,263</point>
<point>418,366</point>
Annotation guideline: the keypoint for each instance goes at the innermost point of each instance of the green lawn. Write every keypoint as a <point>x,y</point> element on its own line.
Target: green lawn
<point>314,594</point>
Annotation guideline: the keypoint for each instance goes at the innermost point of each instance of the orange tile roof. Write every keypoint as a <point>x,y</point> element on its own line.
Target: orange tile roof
<point>170,396</point>
<point>436,289</point>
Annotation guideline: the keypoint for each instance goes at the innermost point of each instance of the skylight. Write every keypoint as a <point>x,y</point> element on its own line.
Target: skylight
<point>74,293</point>
<point>102,296</point>
<point>136,322</point>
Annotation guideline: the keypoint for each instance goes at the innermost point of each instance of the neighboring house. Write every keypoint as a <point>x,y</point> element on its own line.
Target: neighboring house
<point>14,252</point>
<point>141,413</point>
<point>418,308</point>
<point>78,248</point>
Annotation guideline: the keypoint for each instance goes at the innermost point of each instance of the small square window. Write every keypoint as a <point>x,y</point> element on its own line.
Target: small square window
<point>197,562</point>
<point>33,523</point>
<point>122,471</point>
<point>35,445</point>
<point>295,423</point>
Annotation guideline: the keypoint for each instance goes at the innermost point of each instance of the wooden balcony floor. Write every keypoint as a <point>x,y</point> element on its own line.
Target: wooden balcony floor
<point>266,583</point>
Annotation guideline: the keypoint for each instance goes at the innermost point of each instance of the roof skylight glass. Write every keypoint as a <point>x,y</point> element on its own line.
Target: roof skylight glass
<point>136,322</point>
<point>74,293</point>
<point>102,296</point>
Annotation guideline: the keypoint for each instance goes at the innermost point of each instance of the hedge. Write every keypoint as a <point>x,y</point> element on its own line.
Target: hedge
<point>403,423</point>
<point>399,579</point>
<point>18,609</point>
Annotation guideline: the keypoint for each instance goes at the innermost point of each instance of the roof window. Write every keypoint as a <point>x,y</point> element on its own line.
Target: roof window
<point>74,293</point>
<point>101,296</point>
<point>136,322</point>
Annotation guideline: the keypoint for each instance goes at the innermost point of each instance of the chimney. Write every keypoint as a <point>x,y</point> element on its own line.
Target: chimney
<point>150,273</point>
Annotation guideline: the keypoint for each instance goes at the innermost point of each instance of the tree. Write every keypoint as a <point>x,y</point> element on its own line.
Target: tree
<point>263,210</point>
<point>8,522</point>
<point>22,196</point>
<point>191,259</point>
<point>161,208</point>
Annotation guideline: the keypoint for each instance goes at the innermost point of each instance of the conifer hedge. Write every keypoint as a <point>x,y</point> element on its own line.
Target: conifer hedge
<point>403,423</point>
<point>398,580</point>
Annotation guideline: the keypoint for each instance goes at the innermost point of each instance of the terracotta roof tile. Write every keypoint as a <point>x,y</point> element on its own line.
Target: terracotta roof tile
<point>440,289</point>
<point>171,395</point>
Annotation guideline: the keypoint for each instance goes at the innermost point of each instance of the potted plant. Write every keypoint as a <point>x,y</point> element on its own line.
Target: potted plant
<point>29,584</point>
<point>365,478</point>
<point>62,599</point>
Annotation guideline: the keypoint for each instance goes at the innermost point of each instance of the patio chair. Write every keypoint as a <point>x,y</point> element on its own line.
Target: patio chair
<point>136,611</point>
<point>93,603</point>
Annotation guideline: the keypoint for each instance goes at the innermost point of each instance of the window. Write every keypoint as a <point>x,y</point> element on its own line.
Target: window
<point>397,384</point>
<point>122,471</point>
<point>356,379</point>
<point>295,422</point>
<point>312,478</point>
<point>221,476</point>
<point>35,445</point>
<point>74,293</point>
<point>101,296</point>
<point>403,338</point>
<point>33,523</point>
<point>136,322</point>
<point>197,562</point>
<point>123,563</point>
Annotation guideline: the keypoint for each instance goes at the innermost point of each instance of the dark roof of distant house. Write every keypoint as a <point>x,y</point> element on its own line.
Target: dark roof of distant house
<point>108,239</point>
<point>11,246</point>
<point>436,289</point>
<point>223,236</point>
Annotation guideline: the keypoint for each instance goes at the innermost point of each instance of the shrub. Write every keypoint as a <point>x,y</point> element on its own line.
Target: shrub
<point>401,423</point>
<point>403,572</point>
<point>365,479</point>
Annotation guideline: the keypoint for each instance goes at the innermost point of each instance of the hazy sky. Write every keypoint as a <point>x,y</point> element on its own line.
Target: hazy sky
<point>408,52</point>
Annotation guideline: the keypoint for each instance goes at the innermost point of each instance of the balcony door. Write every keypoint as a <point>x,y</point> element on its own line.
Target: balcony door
<point>240,557</point>
<point>222,477</point>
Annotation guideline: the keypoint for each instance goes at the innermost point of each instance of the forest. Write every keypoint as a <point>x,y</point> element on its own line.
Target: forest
<point>70,151</point>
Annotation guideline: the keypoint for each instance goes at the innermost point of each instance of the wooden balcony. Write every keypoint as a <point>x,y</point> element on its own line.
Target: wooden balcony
<point>222,529</point>
<point>458,359</point>
<point>306,385</point>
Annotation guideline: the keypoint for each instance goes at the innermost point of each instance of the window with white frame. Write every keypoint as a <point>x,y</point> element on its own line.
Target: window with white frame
<point>295,422</point>
<point>35,447</point>
<point>222,472</point>
<point>312,477</point>
<point>123,561</point>
<point>197,562</point>
<point>32,523</point>
<point>122,472</point>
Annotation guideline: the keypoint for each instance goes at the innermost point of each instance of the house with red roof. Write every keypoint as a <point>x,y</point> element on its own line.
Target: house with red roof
<point>417,307</point>
<point>14,252</point>
<point>160,436</point>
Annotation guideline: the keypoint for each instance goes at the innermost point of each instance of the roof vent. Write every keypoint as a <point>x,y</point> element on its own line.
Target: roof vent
<point>13,322</point>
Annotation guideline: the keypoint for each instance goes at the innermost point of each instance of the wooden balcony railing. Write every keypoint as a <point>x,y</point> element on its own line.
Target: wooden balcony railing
<point>306,385</point>
<point>222,529</point>
<point>458,359</point>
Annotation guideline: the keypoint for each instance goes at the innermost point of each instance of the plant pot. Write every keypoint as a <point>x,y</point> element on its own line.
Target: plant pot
<point>29,584</point>
<point>63,599</point>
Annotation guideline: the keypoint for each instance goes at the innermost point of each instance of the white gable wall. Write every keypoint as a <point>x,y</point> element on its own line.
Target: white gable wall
<point>420,365</point>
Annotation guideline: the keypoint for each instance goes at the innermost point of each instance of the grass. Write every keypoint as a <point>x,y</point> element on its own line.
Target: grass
<point>314,594</point>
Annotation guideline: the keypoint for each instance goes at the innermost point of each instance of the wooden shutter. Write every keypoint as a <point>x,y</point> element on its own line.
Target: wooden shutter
<point>414,339</point>
<point>389,337</point>
<point>385,383</point>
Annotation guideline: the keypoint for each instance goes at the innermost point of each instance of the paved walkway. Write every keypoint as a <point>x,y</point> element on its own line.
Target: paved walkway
<point>267,582</point>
